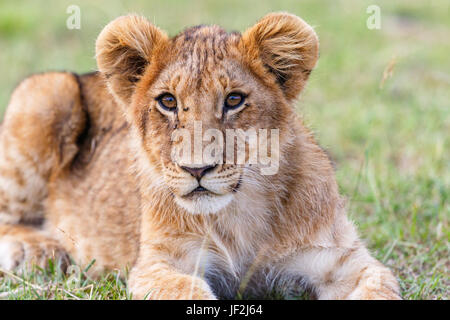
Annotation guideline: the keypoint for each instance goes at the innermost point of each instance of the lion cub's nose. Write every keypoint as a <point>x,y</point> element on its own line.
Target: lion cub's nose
<point>198,173</point>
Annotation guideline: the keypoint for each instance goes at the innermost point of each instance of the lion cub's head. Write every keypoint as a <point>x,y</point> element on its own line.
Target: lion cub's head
<point>193,91</point>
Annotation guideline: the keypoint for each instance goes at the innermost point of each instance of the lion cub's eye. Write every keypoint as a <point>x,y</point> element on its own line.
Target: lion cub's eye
<point>234,100</point>
<point>167,101</point>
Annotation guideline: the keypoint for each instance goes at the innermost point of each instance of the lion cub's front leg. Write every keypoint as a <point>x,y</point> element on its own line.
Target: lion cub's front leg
<point>344,269</point>
<point>155,277</point>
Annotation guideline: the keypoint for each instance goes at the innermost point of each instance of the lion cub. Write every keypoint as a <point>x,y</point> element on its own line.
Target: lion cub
<point>89,168</point>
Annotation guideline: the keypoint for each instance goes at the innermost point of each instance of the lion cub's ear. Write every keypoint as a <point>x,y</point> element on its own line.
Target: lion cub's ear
<point>287,47</point>
<point>124,49</point>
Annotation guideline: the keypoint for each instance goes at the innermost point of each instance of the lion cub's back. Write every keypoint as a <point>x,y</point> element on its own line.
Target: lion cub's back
<point>93,208</point>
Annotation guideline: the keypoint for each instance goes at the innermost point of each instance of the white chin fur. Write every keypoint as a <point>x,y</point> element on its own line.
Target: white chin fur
<point>205,204</point>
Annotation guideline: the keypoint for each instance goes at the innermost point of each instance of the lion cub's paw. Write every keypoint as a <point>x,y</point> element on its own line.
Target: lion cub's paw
<point>180,287</point>
<point>379,285</point>
<point>11,254</point>
<point>384,293</point>
<point>22,253</point>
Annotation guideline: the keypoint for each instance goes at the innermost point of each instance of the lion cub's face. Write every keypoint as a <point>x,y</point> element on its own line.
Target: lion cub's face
<point>204,85</point>
<point>188,96</point>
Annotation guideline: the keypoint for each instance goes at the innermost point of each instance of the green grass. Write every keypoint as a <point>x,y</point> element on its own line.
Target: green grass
<point>390,140</point>
<point>52,283</point>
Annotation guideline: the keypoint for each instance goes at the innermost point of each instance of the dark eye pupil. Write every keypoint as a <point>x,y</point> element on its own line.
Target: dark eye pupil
<point>234,100</point>
<point>168,101</point>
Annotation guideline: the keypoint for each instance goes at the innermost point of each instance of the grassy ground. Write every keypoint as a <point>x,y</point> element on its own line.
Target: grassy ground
<point>379,101</point>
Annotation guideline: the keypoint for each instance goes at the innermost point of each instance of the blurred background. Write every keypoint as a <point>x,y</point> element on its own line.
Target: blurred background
<point>378,101</point>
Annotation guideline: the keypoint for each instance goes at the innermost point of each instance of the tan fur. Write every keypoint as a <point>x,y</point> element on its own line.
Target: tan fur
<point>90,155</point>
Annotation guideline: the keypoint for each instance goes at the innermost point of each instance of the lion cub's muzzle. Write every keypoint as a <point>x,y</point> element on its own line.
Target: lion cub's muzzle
<point>215,179</point>
<point>198,174</point>
<point>200,188</point>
